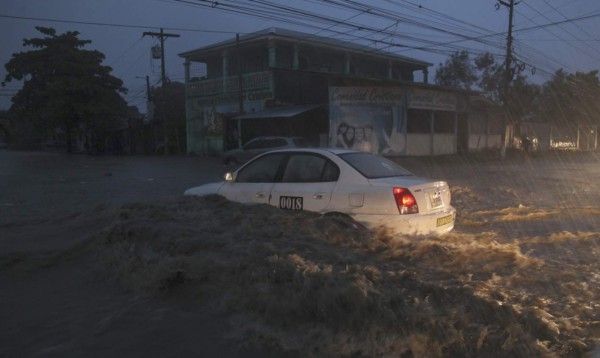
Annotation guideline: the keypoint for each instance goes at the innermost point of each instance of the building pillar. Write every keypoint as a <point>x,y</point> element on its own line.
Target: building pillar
<point>487,131</point>
<point>187,70</point>
<point>432,118</point>
<point>389,70</point>
<point>295,58</point>
<point>347,64</point>
<point>456,133</point>
<point>272,54</point>
<point>425,76</point>
<point>225,58</point>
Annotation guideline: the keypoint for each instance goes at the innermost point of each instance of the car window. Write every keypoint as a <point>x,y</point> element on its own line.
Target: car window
<point>261,170</point>
<point>300,142</point>
<point>309,168</point>
<point>276,142</point>
<point>254,144</point>
<point>374,166</point>
<point>331,172</point>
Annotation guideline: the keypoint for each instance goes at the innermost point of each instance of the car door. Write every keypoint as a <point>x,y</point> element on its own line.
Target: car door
<point>307,182</point>
<point>254,182</point>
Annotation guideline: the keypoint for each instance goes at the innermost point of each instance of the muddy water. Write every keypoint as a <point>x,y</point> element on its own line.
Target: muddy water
<point>518,277</point>
<point>40,190</point>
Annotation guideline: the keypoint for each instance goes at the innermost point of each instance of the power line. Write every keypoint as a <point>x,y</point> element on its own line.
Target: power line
<point>259,12</point>
<point>457,30</point>
<point>138,41</point>
<point>581,18</point>
<point>111,24</point>
<point>564,17</point>
<point>572,45</point>
<point>262,10</point>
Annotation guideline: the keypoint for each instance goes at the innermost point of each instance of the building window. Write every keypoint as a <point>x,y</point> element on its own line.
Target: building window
<point>444,122</point>
<point>303,63</point>
<point>419,121</point>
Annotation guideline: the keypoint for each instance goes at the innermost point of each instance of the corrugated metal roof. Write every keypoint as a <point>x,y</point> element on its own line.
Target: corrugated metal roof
<point>279,112</point>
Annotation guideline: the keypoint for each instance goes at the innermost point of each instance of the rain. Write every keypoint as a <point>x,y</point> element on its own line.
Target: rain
<point>102,254</point>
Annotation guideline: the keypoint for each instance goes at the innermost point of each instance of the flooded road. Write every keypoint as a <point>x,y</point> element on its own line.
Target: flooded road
<point>41,188</point>
<point>102,255</point>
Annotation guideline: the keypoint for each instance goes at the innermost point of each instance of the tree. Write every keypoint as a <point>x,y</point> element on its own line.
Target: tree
<point>483,73</point>
<point>65,87</point>
<point>491,76</point>
<point>4,133</point>
<point>171,109</point>
<point>456,72</point>
<point>522,99</point>
<point>571,99</point>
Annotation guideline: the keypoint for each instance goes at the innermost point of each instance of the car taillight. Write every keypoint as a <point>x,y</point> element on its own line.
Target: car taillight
<point>406,201</point>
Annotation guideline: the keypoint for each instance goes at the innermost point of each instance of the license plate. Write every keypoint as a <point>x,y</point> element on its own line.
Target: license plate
<point>445,220</point>
<point>436,200</point>
<point>291,203</point>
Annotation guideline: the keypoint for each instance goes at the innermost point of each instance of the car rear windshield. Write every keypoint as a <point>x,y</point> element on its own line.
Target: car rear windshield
<point>373,166</point>
<point>300,142</point>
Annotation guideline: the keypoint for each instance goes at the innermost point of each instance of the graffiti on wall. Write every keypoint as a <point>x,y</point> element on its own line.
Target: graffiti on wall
<point>368,119</point>
<point>213,122</point>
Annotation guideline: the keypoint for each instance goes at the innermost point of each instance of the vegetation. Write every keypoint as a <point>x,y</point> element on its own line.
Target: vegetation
<point>571,99</point>
<point>4,133</point>
<point>457,72</point>
<point>66,89</point>
<point>169,106</point>
<point>566,99</point>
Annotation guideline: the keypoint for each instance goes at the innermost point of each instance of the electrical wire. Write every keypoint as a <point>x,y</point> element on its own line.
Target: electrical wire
<point>564,17</point>
<point>568,43</point>
<point>370,10</point>
<point>144,27</point>
<point>457,32</point>
<point>428,46</point>
<point>266,14</point>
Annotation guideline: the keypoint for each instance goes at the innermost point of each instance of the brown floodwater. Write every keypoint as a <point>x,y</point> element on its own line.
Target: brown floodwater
<point>102,255</point>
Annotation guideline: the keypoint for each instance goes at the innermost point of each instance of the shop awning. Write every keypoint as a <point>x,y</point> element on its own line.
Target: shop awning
<point>279,112</point>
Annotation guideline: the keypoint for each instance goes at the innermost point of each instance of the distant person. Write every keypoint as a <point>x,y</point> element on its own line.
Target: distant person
<point>526,144</point>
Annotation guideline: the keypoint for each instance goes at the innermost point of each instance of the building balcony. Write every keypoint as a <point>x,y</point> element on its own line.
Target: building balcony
<point>227,85</point>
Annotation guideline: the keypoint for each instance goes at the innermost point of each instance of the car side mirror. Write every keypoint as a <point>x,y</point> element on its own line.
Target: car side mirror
<point>229,177</point>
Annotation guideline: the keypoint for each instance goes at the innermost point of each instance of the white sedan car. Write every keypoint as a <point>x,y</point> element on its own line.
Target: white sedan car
<point>374,191</point>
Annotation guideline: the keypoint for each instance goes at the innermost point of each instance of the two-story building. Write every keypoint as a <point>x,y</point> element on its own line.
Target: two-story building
<point>333,93</point>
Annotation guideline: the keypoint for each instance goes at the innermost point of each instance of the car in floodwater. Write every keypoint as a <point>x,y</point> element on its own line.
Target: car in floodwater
<point>259,145</point>
<point>373,190</point>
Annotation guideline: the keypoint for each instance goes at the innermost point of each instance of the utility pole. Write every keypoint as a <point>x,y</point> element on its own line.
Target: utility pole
<point>148,95</point>
<point>163,79</point>
<point>510,4</point>
<point>240,89</point>
<point>240,77</point>
<point>509,39</point>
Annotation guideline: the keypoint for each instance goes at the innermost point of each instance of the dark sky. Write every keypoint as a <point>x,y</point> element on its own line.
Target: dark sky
<point>428,30</point>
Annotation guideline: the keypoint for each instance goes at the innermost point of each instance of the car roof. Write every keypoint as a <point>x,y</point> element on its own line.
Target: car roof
<point>276,137</point>
<point>336,151</point>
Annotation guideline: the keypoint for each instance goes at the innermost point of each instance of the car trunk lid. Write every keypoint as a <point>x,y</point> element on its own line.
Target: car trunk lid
<point>431,196</point>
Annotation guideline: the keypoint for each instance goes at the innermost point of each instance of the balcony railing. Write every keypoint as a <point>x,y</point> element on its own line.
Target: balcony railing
<point>219,86</point>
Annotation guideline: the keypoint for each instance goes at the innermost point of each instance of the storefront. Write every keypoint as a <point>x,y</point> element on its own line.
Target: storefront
<point>395,121</point>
